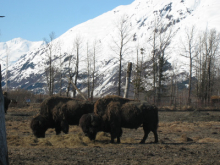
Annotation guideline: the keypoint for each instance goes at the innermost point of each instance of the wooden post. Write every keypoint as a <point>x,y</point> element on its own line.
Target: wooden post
<point>128,77</point>
<point>77,88</point>
<point>3,140</point>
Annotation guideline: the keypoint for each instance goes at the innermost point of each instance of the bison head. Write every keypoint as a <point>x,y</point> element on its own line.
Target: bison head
<point>39,126</point>
<point>90,125</point>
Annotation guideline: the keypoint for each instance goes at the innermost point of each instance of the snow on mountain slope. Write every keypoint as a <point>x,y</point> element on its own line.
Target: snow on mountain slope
<point>15,48</point>
<point>28,72</point>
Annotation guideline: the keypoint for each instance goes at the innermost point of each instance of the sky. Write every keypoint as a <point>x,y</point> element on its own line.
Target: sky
<point>34,20</point>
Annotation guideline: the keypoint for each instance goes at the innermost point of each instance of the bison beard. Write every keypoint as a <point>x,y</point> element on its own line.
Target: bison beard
<point>59,112</point>
<point>118,113</point>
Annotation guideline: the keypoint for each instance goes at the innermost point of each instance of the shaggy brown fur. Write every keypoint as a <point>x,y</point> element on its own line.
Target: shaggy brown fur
<point>51,103</point>
<point>120,112</point>
<point>60,112</point>
<point>72,111</point>
<point>91,124</point>
<point>133,114</point>
<point>102,103</point>
<point>39,125</point>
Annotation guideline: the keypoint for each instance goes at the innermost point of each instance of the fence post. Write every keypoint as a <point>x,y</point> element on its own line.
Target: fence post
<point>3,141</point>
<point>128,77</point>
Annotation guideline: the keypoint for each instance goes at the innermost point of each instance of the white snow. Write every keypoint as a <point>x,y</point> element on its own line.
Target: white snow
<point>141,14</point>
<point>15,48</point>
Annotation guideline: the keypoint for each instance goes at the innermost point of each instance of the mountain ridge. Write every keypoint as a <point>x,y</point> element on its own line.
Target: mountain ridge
<point>28,71</point>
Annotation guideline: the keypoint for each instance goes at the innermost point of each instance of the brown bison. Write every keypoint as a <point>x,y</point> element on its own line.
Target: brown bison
<point>59,112</point>
<point>120,113</point>
<point>91,124</point>
<point>7,101</point>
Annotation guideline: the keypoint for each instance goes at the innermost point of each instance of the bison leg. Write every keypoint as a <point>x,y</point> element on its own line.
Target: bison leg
<point>155,135</point>
<point>112,139</point>
<point>118,140</point>
<point>116,133</point>
<point>65,127</point>
<point>118,137</point>
<point>147,130</point>
<point>58,130</point>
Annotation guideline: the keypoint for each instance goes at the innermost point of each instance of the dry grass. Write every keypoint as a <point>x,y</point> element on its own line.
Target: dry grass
<point>209,140</point>
<point>55,141</point>
<point>20,135</point>
<point>61,141</point>
<point>179,126</point>
<point>176,126</point>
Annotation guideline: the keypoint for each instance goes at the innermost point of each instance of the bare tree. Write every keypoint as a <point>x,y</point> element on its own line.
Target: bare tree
<point>199,66</point>
<point>77,45</point>
<point>60,70</point>
<point>164,40</point>
<point>190,51</point>
<point>70,72</point>
<point>173,84</point>
<point>159,42</point>
<point>153,52</point>
<point>138,79</point>
<point>73,65</point>
<point>95,51</point>
<point>3,141</point>
<point>210,55</point>
<point>88,69</point>
<point>50,68</point>
<point>121,44</point>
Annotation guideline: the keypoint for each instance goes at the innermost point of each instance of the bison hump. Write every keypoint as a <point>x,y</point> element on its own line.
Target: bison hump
<point>102,105</point>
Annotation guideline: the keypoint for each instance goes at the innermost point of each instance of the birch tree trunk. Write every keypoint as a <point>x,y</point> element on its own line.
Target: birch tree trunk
<point>3,140</point>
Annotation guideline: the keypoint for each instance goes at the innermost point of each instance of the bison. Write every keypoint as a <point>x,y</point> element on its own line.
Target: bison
<point>91,124</point>
<point>7,101</point>
<point>111,116</point>
<point>59,112</point>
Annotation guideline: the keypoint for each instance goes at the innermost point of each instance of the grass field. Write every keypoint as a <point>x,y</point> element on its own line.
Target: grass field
<point>185,137</point>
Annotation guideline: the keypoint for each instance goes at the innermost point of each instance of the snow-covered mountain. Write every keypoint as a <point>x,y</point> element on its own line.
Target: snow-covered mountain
<point>28,71</point>
<point>15,48</point>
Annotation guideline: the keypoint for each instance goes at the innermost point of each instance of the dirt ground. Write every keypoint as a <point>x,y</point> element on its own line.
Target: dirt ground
<point>185,137</point>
